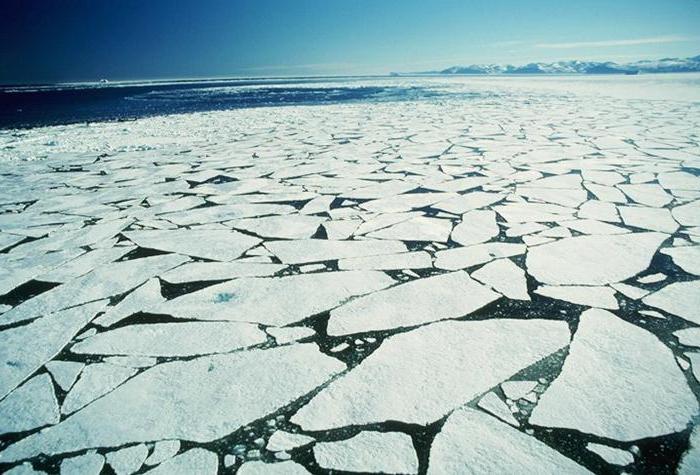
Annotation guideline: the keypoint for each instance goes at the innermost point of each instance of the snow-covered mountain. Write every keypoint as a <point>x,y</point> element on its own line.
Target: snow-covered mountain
<point>665,65</point>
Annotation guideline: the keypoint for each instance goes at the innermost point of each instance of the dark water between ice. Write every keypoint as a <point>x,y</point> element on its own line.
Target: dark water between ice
<point>66,104</point>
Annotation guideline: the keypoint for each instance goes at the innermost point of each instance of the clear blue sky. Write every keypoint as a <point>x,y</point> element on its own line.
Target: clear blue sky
<point>62,40</point>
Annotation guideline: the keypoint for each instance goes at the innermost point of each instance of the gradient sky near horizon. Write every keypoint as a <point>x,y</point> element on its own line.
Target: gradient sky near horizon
<point>70,40</point>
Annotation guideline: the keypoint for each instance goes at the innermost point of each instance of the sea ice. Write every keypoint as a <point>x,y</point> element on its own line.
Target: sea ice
<point>172,339</point>
<point>29,406</point>
<point>593,260</point>
<point>416,229</point>
<point>89,463</point>
<point>504,277</point>
<point>476,443</point>
<point>494,405</point>
<point>464,257</point>
<point>369,452</point>
<point>601,297</point>
<point>404,260</point>
<point>26,348</point>
<point>185,401</point>
<point>685,257</point>
<point>274,301</point>
<point>128,460</point>
<point>95,380</point>
<point>209,244</point>
<point>619,382</point>
<point>196,460</point>
<point>429,371</point>
<point>439,297</point>
<point>286,441</point>
<point>611,455</point>
<point>261,468</point>
<point>476,227</point>
<point>679,298</point>
<point>314,250</point>
<point>107,281</point>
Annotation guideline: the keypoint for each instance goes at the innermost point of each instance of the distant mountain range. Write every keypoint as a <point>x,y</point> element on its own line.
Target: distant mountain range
<point>665,65</point>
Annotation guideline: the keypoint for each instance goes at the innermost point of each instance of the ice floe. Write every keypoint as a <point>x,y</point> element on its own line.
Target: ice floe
<point>619,382</point>
<point>416,229</point>
<point>464,257</point>
<point>128,460</point>
<point>195,460</point>
<point>274,301</point>
<point>26,348</point>
<point>30,406</point>
<point>679,298</point>
<point>285,441</point>
<point>369,452</point>
<point>686,257</point>
<point>162,451</point>
<point>404,260</point>
<point>95,380</point>
<point>439,297</point>
<point>611,455</point>
<point>494,405</point>
<point>107,281</point>
<point>593,260</point>
<point>420,369</point>
<point>172,339</point>
<point>209,244</point>
<point>473,442</point>
<point>504,277</point>
<point>185,400</point>
<point>601,297</point>
<point>90,463</point>
<point>476,227</point>
<point>282,468</point>
<point>313,250</point>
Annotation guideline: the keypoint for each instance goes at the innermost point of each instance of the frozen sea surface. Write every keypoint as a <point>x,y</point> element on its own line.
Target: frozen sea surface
<point>479,275</point>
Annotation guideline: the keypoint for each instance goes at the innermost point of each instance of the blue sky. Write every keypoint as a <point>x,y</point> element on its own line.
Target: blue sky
<point>49,41</point>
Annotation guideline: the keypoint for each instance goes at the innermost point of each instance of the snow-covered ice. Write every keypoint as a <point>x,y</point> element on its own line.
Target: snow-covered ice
<point>619,382</point>
<point>502,277</point>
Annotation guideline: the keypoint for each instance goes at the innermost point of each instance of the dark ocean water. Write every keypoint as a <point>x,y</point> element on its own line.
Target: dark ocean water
<point>22,107</point>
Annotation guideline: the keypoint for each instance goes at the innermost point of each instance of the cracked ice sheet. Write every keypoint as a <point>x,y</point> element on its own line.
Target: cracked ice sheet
<point>26,348</point>
<point>679,298</point>
<point>265,159</point>
<point>421,301</point>
<point>203,271</point>
<point>369,452</point>
<point>30,406</point>
<point>172,339</point>
<point>475,443</point>
<point>286,227</point>
<point>593,260</point>
<point>274,301</point>
<point>94,381</point>
<point>406,260</point>
<point>601,297</point>
<point>101,283</point>
<point>429,371</point>
<point>209,244</point>
<point>619,382</point>
<point>15,272</point>
<point>416,229</point>
<point>185,400</point>
<point>686,257</point>
<point>314,250</point>
<point>463,257</point>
